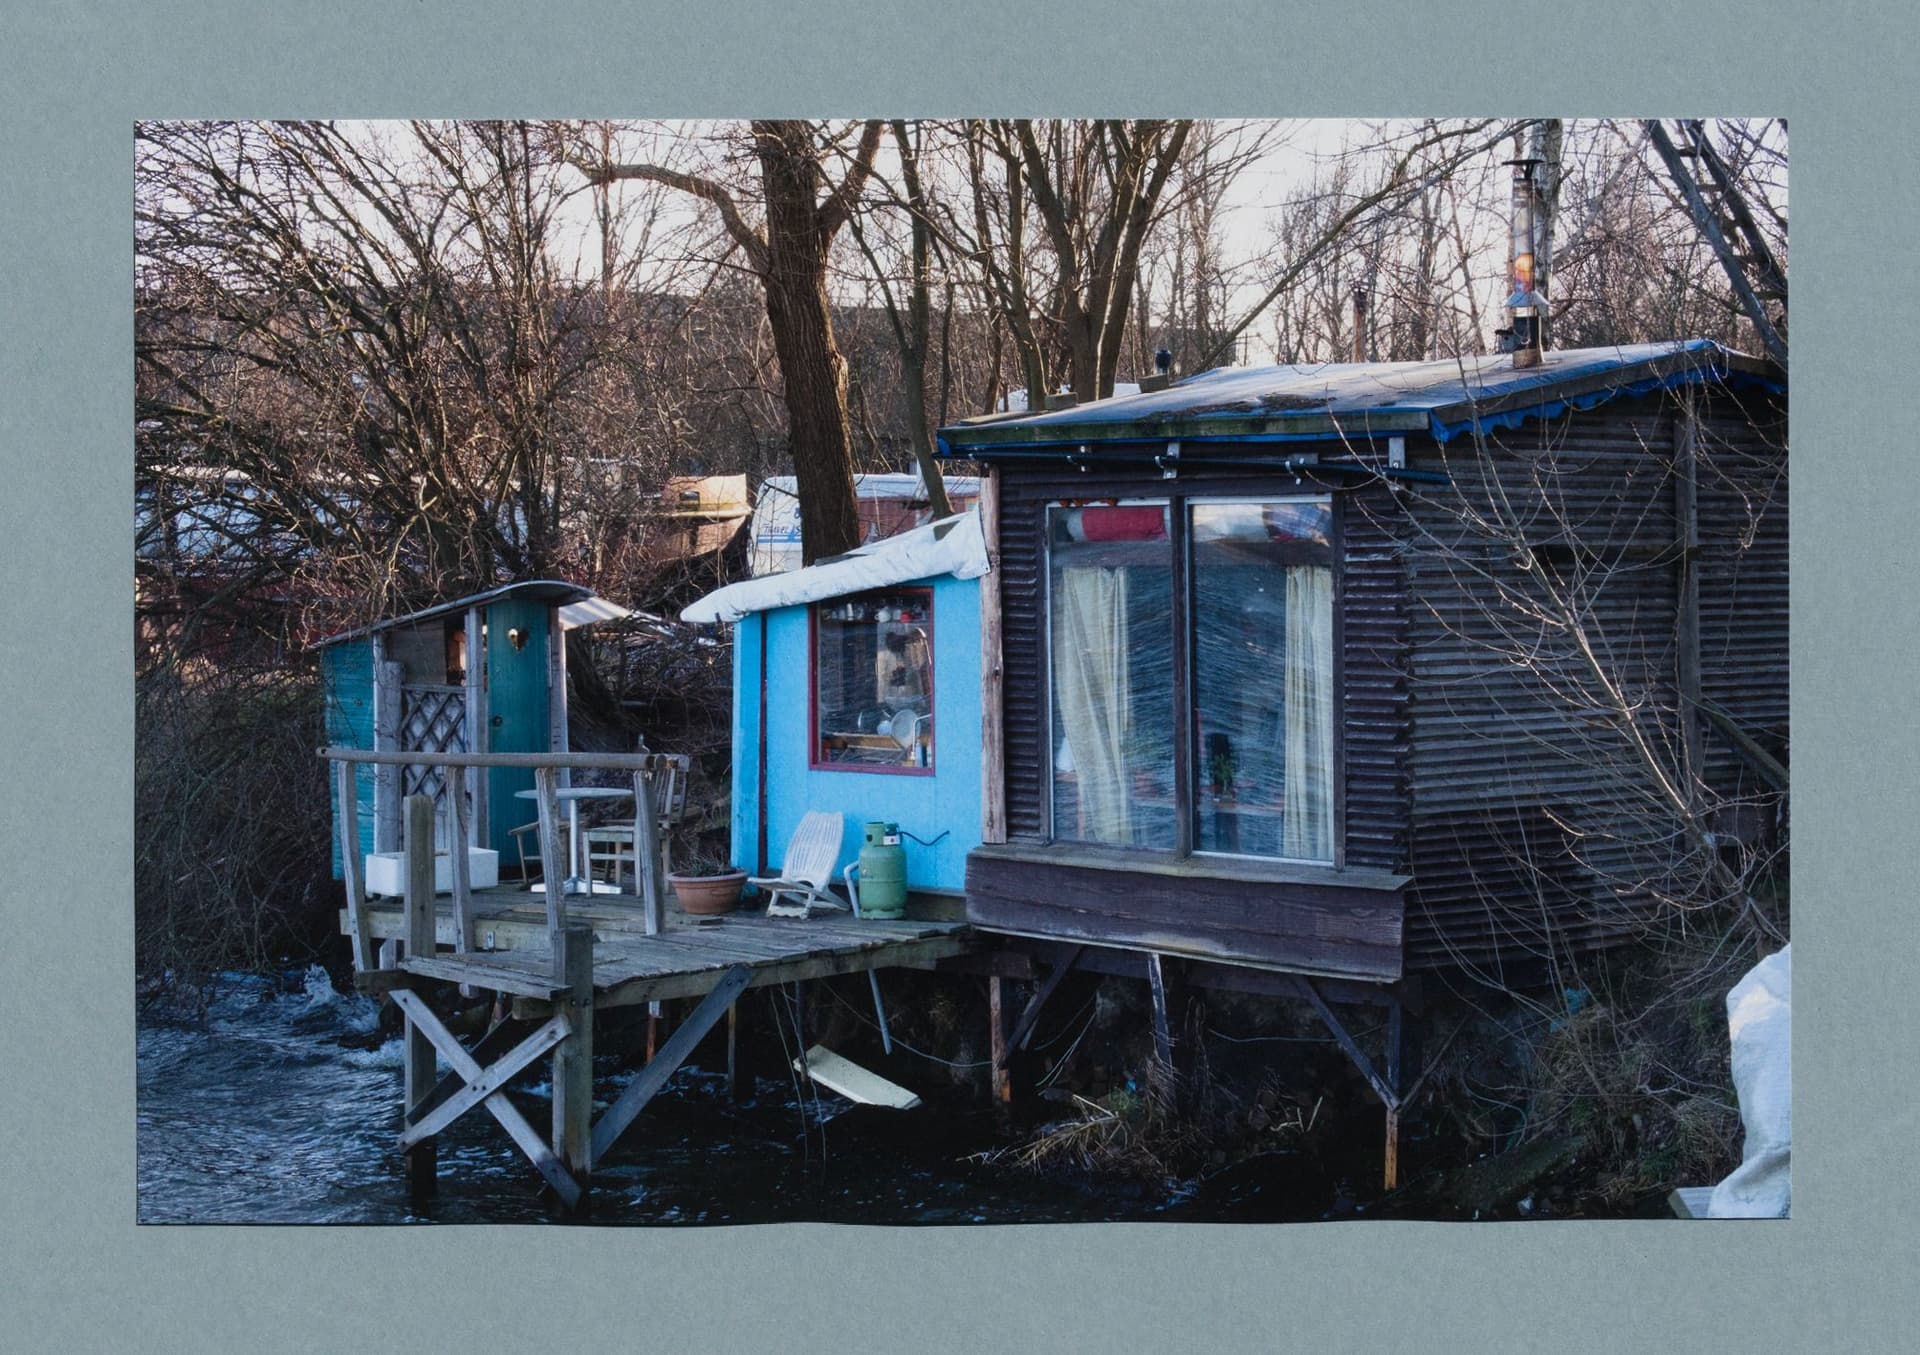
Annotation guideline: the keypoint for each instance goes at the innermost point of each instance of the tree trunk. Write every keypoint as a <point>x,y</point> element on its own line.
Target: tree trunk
<point>812,372</point>
<point>814,378</point>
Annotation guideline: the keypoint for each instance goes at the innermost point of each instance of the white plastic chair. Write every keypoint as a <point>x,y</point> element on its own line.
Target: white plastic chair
<point>806,868</point>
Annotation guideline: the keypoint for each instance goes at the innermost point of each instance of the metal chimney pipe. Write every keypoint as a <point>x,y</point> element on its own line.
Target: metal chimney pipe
<point>1360,303</point>
<point>1527,304</point>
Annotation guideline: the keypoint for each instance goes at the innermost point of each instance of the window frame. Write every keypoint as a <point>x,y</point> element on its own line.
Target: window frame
<point>1186,715</point>
<point>814,763</point>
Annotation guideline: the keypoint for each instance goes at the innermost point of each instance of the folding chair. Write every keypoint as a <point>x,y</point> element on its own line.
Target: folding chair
<point>806,868</point>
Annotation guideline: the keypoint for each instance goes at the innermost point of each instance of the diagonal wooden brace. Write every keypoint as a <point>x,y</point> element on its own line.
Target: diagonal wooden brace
<point>531,1143</point>
<point>672,1054</point>
<point>492,1078</point>
<point>1023,1028</point>
<point>1381,1088</point>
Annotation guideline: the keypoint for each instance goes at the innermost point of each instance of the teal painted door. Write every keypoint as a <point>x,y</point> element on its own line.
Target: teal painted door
<point>516,714</point>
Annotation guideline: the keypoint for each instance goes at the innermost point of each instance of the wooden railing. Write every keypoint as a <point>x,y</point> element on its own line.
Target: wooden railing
<point>645,768</point>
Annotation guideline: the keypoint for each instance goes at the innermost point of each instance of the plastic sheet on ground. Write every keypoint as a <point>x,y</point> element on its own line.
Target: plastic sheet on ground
<point>1760,1020</point>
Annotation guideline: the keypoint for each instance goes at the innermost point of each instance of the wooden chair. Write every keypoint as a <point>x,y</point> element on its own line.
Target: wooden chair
<point>611,844</point>
<point>519,836</point>
<point>806,868</point>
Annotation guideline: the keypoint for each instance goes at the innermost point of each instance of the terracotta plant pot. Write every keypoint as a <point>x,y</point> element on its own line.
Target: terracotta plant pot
<point>708,894</point>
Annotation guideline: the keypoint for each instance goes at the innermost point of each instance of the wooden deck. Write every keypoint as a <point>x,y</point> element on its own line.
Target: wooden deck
<point>686,960</point>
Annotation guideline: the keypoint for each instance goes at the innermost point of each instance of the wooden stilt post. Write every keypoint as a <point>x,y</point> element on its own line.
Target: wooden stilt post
<point>733,1053</point>
<point>1390,1167</point>
<point>573,1058</point>
<point>350,866</point>
<point>553,873</point>
<point>418,1055</point>
<point>1166,1078</point>
<point>461,838</point>
<point>997,1039</point>
<point>649,872</point>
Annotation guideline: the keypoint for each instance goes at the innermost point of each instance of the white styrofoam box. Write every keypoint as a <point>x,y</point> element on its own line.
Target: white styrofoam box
<point>387,871</point>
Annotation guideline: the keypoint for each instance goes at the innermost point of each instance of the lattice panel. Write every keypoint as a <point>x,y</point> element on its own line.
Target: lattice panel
<point>432,720</point>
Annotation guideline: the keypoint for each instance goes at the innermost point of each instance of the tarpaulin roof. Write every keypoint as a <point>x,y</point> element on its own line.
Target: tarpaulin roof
<point>1314,401</point>
<point>951,545</point>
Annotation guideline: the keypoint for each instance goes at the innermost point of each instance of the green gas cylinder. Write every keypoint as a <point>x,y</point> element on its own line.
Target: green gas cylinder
<point>883,872</point>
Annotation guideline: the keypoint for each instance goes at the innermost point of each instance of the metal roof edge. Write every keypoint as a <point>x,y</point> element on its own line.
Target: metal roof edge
<point>553,590</point>
<point>1683,367</point>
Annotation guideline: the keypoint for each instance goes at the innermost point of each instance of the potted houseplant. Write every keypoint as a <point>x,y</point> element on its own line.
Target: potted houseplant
<point>708,886</point>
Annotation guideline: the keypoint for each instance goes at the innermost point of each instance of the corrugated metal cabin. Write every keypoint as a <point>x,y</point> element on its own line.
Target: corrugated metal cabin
<point>1235,711</point>
<point>406,684</point>
<point>856,689</point>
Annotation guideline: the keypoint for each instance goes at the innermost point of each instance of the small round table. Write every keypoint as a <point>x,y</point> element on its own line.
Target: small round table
<point>571,796</point>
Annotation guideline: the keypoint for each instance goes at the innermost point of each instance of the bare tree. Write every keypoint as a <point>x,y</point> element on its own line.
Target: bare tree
<point>1059,214</point>
<point>789,252</point>
<point>371,339</point>
<point>1348,222</point>
<point>913,330</point>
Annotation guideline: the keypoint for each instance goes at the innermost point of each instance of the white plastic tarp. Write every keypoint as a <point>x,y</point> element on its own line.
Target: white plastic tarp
<point>776,513</point>
<point>589,610</point>
<point>1760,1021</point>
<point>953,545</point>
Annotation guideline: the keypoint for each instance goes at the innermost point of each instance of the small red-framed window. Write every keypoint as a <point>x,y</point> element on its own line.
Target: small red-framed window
<point>870,683</point>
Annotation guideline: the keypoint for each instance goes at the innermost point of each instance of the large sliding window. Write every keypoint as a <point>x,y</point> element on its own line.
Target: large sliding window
<point>1110,591</point>
<point>1192,660</point>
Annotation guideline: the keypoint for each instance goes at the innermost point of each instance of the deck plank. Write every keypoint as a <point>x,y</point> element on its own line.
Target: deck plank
<point>685,960</point>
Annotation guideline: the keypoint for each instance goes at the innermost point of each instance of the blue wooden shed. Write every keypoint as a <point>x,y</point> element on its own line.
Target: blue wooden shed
<point>408,683</point>
<point>856,688</point>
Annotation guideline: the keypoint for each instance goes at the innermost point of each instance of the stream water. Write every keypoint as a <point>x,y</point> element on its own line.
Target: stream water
<point>278,1104</point>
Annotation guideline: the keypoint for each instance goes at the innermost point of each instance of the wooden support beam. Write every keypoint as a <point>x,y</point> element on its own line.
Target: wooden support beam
<point>649,875</point>
<point>1023,1028</point>
<point>418,1049</point>
<point>614,1121</point>
<point>1396,1022</point>
<point>359,925</point>
<point>377,983</point>
<point>1390,1167</point>
<point>457,859</point>
<point>1346,1043</point>
<point>502,1036</point>
<point>553,877</point>
<point>386,745</point>
<point>923,950</point>
<point>997,1040</point>
<point>493,1078</point>
<point>499,1107</point>
<point>733,1053</point>
<point>573,1056</point>
<point>1165,1076</point>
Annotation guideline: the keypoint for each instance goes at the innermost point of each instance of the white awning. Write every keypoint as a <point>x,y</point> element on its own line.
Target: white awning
<point>953,545</point>
<point>589,610</point>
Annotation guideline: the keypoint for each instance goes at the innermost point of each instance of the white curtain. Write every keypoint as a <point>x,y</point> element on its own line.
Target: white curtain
<point>1307,834</point>
<point>1091,691</point>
